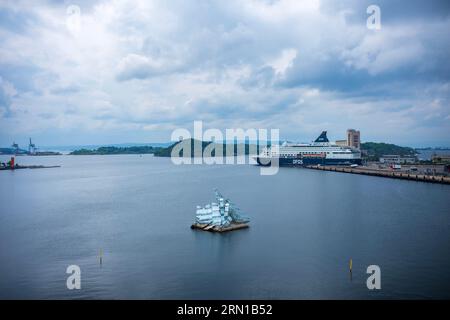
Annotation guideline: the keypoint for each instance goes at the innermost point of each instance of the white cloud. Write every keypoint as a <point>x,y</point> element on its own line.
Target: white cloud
<point>284,61</point>
<point>8,88</point>
<point>137,66</point>
<point>387,50</point>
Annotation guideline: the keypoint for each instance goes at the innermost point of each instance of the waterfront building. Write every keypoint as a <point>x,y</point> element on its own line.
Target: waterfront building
<point>397,159</point>
<point>354,138</point>
<point>440,158</point>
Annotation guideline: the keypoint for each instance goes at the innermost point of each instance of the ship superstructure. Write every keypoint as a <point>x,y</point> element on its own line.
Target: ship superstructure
<point>321,151</point>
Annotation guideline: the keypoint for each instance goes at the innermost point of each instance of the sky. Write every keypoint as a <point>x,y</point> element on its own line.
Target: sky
<point>102,72</point>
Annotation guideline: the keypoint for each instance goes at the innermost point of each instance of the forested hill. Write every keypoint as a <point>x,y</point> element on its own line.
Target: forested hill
<point>374,150</point>
<point>117,150</point>
<point>238,148</point>
<point>166,151</point>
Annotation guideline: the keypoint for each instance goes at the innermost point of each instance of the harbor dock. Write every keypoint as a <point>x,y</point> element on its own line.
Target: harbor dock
<point>17,167</point>
<point>213,228</point>
<point>12,165</point>
<point>384,173</point>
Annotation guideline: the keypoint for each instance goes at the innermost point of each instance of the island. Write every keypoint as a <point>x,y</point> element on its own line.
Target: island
<point>118,150</point>
<point>238,149</point>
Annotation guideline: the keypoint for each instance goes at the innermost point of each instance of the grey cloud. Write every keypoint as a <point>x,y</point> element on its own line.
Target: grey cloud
<point>262,77</point>
<point>135,66</point>
<point>65,90</point>
<point>5,102</point>
<point>16,21</point>
<point>145,60</point>
<point>391,11</point>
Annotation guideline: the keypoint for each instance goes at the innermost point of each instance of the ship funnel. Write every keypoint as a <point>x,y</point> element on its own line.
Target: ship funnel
<point>322,137</point>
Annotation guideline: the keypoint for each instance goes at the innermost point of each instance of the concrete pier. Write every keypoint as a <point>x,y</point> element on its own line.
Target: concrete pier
<point>17,167</point>
<point>385,173</point>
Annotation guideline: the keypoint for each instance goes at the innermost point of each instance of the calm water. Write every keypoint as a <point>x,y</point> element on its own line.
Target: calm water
<point>305,227</point>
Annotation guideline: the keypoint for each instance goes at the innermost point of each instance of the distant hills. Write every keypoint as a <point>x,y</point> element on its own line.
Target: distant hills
<point>12,151</point>
<point>370,150</point>
<point>70,148</point>
<point>123,148</point>
<point>161,151</point>
<point>117,150</point>
<point>374,150</point>
<point>211,148</point>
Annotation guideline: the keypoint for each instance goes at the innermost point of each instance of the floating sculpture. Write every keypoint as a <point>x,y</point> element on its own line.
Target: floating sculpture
<point>221,215</point>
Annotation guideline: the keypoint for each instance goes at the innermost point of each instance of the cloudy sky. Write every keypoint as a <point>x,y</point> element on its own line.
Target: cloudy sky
<point>85,72</point>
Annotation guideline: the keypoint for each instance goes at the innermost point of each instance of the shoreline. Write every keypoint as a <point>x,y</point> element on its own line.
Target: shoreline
<point>384,174</point>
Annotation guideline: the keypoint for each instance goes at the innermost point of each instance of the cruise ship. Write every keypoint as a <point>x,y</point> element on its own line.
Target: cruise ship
<point>319,152</point>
